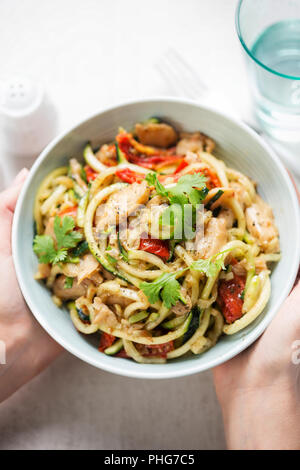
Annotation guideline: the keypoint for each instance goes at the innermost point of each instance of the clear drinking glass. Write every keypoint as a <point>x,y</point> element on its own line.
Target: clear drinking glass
<point>269,31</point>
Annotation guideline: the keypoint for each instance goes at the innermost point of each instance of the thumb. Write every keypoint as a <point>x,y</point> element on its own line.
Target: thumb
<point>10,196</point>
<point>8,200</point>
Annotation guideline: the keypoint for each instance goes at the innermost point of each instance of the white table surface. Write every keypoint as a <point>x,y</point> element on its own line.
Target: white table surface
<point>90,54</point>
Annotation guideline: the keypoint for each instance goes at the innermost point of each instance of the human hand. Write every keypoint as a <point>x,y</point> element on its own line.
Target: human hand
<point>29,349</point>
<point>259,390</point>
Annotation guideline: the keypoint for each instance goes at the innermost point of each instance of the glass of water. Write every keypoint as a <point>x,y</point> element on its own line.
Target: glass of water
<point>269,31</point>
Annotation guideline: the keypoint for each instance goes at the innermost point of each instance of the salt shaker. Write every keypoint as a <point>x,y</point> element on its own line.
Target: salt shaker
<point>28,122</point>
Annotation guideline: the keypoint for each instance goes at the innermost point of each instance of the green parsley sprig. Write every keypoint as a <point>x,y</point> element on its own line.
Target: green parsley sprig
<point>167,288</point>
<point>190,189</point>
<point>183,198</point>
<point>66,238</point>
<point>210,267</point>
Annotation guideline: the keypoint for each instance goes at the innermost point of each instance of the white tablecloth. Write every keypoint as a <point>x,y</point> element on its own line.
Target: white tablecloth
<point>89,54</point>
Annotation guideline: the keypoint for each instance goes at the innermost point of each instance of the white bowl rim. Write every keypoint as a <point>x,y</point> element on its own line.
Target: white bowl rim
<point>191,368</point>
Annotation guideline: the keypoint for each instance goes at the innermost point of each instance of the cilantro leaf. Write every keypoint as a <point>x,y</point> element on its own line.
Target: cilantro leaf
<point>179,199</point>
<point>195,197</point>
<point>189,190</point>
<point>165,286</point>
<point>171,293</point>
<point>66,237</point>
<point>188,184</point>
<point>206,266</point>
<point>152,179</point>
<point>60,257</point>
<point>152,289</point>
<point>210,266</point>
<point>43,246</point>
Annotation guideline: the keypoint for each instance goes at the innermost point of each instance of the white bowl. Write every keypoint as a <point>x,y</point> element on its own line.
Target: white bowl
<point>240,147</point>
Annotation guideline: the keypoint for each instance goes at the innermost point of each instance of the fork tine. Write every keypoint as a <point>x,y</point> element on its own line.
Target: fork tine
<point>186,67</point>
<point>172,76</point>
<point>163,71</point>
<point>187,83</point>
<point>175,69</point>
<point>167,72</point>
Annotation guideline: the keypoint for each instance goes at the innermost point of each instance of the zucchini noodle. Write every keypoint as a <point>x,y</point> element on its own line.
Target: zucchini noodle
<point>118,270</point>
<point>217,165</point>
<point>234,175</point>
<point>140,273</point>
<point>133,352</point>
<point>203,325</point>
<point>79,324</point>
<point>149,258</point>
<point>162,314</point>
<point>43,193</point>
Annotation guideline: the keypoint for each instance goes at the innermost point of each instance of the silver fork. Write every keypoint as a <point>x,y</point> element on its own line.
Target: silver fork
<point>186,82</point>
<point>183,78</point>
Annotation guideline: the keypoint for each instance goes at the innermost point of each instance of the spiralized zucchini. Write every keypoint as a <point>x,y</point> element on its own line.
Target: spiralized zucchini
<point>154,300</point>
